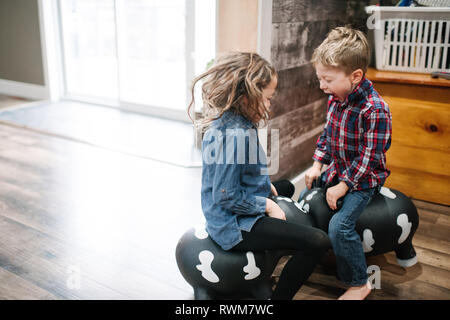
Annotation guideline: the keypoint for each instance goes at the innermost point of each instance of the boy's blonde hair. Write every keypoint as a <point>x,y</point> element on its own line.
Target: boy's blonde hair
<point>234,82</point>
<point>343,48</point>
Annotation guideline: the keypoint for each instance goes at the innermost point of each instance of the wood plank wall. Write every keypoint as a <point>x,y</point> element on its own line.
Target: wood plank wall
<point>299,108</point>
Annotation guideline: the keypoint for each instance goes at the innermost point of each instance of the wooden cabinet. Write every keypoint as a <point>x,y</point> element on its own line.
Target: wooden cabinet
<point>419,157</point>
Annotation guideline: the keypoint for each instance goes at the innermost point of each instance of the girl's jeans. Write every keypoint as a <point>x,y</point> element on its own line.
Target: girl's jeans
<point>346,243</point>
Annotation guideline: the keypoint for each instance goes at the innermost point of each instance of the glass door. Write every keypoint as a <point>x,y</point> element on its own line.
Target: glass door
<point>152,52</point>
<point>89,49</point>
<point>138,55</point>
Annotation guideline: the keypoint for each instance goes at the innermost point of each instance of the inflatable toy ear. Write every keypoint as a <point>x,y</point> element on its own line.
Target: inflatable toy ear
<point>284,188</point>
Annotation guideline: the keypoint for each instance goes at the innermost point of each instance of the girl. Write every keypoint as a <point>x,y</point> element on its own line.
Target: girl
<point>235,192</point>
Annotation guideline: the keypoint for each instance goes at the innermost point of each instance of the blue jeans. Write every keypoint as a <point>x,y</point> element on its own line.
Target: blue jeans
<point>346,243</point>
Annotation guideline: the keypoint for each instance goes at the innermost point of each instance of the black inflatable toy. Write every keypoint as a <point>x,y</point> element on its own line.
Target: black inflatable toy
<point>388,223</point>
<point>218,274</point>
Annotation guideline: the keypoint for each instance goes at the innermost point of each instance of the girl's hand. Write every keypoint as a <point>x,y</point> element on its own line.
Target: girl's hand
<point>273,190</point>
<point>273,210</point>
<point>335,193</point>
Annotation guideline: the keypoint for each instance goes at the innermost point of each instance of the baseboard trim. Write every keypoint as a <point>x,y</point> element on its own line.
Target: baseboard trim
<point>23,90</point>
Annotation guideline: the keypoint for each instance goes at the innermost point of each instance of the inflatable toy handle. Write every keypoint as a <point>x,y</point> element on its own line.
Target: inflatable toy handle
<point>339,203</point>
<point>317,183</point>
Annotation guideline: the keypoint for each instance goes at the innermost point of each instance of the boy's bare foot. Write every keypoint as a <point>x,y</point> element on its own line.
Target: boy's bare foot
<point>356,293</point>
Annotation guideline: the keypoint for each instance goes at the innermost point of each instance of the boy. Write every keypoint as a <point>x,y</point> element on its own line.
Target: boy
<point>354,142</point>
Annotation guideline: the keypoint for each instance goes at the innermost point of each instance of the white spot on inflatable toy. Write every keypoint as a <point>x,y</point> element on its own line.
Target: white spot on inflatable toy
<point>300,205</point>
<point>306,208</point>
<point>387,193</point>
<point>200,232</point>
<point>368,240</point>
<point>311,195</point>
<point>285,199</point>
<point>206,257</point>
<point>251,269</point>
<point>403,222</point>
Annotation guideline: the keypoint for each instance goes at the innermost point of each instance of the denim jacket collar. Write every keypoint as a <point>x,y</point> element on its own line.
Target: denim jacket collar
<point>231,117</point>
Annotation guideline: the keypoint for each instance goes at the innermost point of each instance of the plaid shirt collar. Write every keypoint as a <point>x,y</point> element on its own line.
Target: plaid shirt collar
<point>361,90</point>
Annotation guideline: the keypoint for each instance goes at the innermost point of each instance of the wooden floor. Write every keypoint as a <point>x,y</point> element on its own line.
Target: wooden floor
<point>80,222</point>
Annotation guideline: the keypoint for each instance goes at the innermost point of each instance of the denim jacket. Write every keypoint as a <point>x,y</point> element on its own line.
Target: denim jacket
<point>234,180</point>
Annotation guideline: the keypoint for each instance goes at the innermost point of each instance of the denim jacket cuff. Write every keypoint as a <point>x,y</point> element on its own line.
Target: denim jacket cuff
<point>260,204</point>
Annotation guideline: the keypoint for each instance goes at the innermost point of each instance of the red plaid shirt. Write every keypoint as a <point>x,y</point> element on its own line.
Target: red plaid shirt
<point>355,139</point>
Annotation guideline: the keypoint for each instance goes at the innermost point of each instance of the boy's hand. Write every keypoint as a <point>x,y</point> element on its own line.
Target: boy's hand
<point>273,210</point>
<point>312,174</point>
<point>335,193</point>
<point>273,190</point>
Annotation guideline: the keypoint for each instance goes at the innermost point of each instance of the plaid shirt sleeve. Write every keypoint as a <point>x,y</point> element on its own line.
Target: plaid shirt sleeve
<point>321,154</point>
<point>377,139</point>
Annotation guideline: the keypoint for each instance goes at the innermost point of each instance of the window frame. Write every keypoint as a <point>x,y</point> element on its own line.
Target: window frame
<point>55,64</point>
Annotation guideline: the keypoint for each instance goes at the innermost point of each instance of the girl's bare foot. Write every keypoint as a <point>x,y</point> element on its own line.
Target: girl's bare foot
<point>356,293</point>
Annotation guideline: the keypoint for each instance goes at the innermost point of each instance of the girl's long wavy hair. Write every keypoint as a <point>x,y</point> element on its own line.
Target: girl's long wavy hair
<point>234,82</point>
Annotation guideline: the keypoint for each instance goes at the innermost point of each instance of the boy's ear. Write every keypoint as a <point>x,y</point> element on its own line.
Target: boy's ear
<point>357,76</point>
